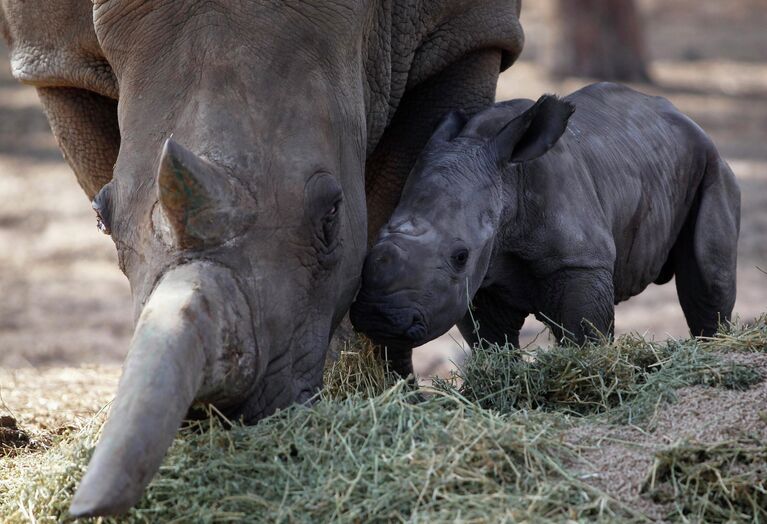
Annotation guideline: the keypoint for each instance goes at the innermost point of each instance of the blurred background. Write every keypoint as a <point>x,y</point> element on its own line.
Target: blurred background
<point>65,302</point>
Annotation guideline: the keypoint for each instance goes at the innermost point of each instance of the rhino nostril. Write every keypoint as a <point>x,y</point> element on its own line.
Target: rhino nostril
<point>417,330</point>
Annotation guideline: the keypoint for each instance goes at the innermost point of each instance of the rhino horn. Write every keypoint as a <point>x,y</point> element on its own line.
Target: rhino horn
<point>179,338</point>
<point>204,205</point>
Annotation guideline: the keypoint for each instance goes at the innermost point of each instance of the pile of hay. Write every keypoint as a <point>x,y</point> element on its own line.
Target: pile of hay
<point>720,482</point>
<point>627,379</point>
<point>385,458</point>
<point>371,449</point>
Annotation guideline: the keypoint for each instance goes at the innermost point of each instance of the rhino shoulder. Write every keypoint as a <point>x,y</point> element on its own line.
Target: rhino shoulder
<point>457,28</point>
<point>53,44</point>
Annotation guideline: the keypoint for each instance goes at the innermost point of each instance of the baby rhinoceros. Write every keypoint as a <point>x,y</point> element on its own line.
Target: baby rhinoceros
<point>560,209</point>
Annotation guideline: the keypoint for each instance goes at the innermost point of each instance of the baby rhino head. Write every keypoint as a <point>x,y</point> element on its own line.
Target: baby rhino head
<point>432,255</point>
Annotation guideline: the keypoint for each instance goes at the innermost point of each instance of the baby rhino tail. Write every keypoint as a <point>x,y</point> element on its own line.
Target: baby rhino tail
<point>704,259</point>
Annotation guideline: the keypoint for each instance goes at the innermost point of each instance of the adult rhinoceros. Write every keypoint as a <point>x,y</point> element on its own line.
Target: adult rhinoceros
<point>239,152</point>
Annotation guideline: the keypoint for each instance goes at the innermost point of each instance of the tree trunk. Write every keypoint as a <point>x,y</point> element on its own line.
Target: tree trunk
<point>600,39</point>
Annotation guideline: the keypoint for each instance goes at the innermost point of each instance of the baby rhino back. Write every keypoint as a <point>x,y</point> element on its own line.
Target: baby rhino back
<point>529,208</point>
<point>621,183</point>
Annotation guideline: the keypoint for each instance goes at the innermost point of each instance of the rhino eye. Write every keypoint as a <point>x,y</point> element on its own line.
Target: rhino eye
<point>459,258</point>
<point>323,197</point>
<point>102,206</point>
<point>333,211</point>
<point>330,223</point>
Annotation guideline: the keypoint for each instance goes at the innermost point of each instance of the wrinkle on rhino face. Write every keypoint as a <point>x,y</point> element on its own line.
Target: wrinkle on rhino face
<point>298,153</point>
<point>259,181</point>
<point>237,201</point>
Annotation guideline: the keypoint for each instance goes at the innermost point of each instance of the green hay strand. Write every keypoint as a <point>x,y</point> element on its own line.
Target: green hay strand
<point>627,380</point>
<point>491,448</point>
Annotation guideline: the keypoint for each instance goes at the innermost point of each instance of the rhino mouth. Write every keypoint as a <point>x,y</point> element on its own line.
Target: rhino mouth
<point>390,321</point>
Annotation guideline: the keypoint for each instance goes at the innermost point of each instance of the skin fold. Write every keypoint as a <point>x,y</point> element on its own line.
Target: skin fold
<point>533,209</point>
<point>250,147</point>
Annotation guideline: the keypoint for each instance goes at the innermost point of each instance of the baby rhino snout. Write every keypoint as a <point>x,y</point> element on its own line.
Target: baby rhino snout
<point>384,268</point>
<point>385,309</point>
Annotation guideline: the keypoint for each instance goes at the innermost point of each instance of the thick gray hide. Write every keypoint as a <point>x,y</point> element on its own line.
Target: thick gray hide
<point>294,125</point>
<point>500,211</point>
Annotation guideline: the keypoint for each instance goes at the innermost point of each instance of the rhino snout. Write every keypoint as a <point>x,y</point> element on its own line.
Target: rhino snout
<point>389,319</point>
<point>393,277</point>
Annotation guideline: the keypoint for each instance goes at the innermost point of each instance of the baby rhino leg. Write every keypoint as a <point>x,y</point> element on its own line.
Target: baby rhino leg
<point>578,304</point>
<point>491,320</point>
<point>705,255</point>
<point>398,356</point>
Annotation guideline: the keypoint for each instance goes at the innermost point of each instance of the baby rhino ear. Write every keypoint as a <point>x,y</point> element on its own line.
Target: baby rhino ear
<point>449,127</point>
<point>533,132</point>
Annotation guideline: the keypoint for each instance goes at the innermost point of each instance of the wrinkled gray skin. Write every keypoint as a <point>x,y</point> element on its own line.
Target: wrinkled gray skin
<point>529,214</point>
<point>294,125</point>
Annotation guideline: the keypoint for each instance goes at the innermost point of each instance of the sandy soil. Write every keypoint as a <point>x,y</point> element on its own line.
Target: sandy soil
<point>620,457</point>
<point>65,303</point>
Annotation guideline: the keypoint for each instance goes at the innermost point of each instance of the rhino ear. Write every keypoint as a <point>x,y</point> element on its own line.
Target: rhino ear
<point>449,127</point>
<point>203,205</point>
<point>534,132</point>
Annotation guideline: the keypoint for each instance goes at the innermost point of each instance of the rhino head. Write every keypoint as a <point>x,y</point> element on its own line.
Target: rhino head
<point>237,207</point>
<point>223,144</point>
<point>433,254</point>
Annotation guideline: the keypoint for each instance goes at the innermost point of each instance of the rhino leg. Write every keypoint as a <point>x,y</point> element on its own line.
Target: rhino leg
<point>578,304</point>
<point>468,85</point>
<point>705,254</point>
<point>399,358</point>
<point>491,320</point>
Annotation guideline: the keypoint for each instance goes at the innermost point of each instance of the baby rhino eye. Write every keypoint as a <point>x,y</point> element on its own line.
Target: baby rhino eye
<point>459,258</point>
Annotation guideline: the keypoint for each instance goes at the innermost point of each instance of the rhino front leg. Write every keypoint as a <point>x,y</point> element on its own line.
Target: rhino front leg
<point>467,85</point>
<point>492,320</point>
<point>578,304</point>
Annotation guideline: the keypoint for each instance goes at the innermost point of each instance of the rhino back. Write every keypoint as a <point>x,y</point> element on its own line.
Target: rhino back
<point>403,44</point>
<point>620,183</point>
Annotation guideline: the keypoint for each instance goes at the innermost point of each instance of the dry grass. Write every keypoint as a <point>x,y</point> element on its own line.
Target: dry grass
<point>627,379</point>
<point>747,337</point>
<point>493,449</point>
<point>357,371</point>
<point>719,482</point>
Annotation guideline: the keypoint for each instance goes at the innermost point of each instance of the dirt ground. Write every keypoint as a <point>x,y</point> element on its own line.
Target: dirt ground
<point>620,457</point>
<point>65,303</point>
